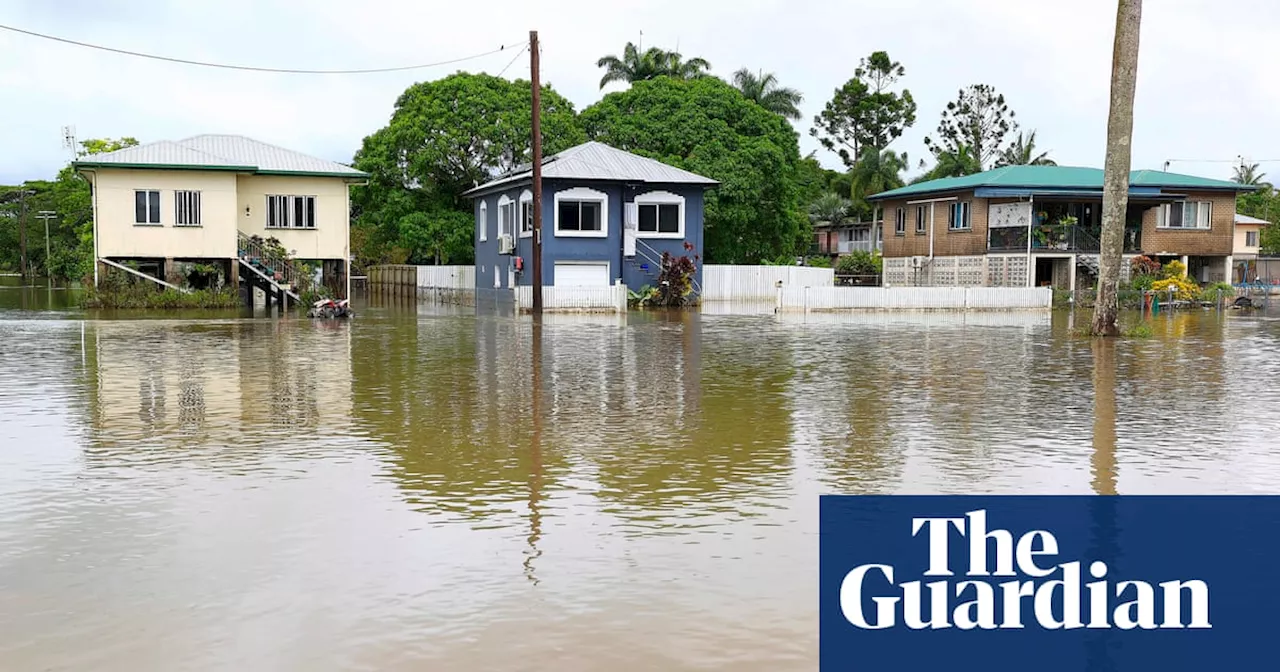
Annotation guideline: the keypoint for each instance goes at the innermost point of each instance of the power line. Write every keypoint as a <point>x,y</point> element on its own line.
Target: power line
<point>225,66</point>
<point>513,60</point>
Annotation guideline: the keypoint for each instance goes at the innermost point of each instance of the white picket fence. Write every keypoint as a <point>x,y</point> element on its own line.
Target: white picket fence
<point>447,277</point>
<point>807,299</point>
<point>722,282</point>
<point>611,299</point>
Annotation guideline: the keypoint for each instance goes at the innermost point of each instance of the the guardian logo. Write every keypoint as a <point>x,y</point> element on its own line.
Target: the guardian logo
<point>1013,583</point>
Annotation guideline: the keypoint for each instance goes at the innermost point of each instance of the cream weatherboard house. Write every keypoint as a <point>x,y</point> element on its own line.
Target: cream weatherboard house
<point>211,199</point>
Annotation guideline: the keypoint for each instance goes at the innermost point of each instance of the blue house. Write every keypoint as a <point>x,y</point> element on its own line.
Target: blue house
<point>607,216</point>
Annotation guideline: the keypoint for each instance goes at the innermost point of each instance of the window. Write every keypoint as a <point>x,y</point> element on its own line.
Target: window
<point>146,207</point>
<point>186,206</point>
<point>660,214</point>
<point>900,222</point>
<point>482,221</point>
<point>1185,215</point>
<point>960,216</point>
<point>922,218</point>
<point>291,212</point>
<point>581,212</point>
<point>506,216</point>
<point>526,214</point>
<point>1251,238</point>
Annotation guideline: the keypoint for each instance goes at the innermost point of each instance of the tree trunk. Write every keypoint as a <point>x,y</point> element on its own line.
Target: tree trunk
<point>1115,189</point>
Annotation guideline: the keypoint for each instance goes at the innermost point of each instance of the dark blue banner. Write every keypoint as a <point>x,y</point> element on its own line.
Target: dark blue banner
<point>1049,583</point>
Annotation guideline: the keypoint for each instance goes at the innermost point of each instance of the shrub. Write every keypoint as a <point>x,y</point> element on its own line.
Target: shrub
<point>1217,291</point>
<point>1142,282</point>
<point>1143,266</point>
<point>818,262</point>
<point>1184,289</point>
<point>1173,269</point>
<point>859,263</point>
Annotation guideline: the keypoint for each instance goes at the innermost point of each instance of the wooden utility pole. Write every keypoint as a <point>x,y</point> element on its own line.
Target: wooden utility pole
<point>22,234</point>
<point>537,172</point>
<point>1115,180</point>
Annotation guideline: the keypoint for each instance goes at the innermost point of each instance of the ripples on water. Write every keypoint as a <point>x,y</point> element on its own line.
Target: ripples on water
<point>393,493</point>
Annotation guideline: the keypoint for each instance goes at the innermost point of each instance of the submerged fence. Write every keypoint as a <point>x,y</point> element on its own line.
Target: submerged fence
<point>807,299</point>
<point>722,282</point>
<point>611,299</point>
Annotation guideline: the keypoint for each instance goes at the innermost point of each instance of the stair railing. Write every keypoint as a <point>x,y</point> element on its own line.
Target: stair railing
<point>280,269</point>
<point>653,256</point>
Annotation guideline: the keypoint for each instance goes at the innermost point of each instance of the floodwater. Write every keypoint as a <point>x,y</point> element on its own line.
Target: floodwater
<point>422,488</point>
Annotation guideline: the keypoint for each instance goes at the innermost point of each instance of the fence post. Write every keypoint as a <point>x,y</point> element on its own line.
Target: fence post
<point>778,304</point>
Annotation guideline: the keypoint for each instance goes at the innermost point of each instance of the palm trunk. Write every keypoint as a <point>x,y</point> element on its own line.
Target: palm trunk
<point>1115,189</point>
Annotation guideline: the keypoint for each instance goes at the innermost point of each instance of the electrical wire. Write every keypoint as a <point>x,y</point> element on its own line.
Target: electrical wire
<point>513,61</point>
<point>226,66</point>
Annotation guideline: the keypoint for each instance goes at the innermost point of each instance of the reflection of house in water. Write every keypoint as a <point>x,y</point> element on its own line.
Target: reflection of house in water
<point>203,383</point>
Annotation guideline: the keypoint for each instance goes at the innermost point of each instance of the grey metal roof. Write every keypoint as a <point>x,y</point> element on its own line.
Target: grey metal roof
<point>1246,219</point>
<point>220,152</point>
<point>598,161</point>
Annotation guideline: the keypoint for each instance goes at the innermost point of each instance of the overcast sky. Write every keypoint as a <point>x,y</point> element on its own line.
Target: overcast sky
<point>1205,88</point>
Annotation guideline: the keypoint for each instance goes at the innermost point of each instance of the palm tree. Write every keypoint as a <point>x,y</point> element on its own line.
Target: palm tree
<point>763,89</point>
<point>1022,152</point>
<point>954,163</point>
<point>679,68</point>
<point>877,170</point>
<point>635,65</point>
<point>830,209</point>
<point>1248,174</point>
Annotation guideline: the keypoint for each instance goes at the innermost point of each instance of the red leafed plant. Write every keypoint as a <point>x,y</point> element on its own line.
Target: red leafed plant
<point>675,281</point>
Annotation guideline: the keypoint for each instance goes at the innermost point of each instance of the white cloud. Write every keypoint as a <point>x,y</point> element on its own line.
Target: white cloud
<point>1203,89</point>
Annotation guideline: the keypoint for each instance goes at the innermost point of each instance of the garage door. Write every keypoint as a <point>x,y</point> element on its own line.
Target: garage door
<point>582,275</point>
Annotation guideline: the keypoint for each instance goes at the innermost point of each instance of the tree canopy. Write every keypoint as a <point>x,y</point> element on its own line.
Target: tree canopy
<point>865,112</point>
<point>706,126</point>
<point>763,89</point>
<point>1248,174</point>
<point>444,138</point>
<point>635,65</point>
<point>980,118</point>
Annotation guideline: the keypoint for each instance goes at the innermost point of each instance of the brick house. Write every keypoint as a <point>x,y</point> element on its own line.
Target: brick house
<point>1020,226</point>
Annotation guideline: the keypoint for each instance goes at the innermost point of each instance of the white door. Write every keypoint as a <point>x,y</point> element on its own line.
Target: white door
<point>581,274</point>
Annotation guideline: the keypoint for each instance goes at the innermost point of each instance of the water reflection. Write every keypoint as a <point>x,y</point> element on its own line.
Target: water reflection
<point>427,487</point>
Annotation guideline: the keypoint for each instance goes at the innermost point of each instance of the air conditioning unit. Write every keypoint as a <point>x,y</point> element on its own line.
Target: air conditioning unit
<point>917,262</point>
<point>506,244</point>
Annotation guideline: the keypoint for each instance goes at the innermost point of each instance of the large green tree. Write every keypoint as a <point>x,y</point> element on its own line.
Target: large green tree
<point>980,118</point>
<point>1248,174</point>
<point>445,137</point>
<point>763,89</point>
<point>70,255</point>
<point>1022,152</point>
<point>635,65</point>
<point>866,112</point>
<point>706,126</point>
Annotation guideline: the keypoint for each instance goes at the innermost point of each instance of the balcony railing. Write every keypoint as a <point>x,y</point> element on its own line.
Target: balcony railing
<point>850,246</point>
<point>1057,237</point>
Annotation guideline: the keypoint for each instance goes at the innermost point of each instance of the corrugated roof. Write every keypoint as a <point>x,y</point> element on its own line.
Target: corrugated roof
<point>220,152</point>
<point>598,161</point>
<point>1056,177</point>
<point>1246,219</point>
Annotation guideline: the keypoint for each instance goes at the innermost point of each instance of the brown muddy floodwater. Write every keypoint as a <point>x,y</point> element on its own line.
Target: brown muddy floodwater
<point>422,488</point>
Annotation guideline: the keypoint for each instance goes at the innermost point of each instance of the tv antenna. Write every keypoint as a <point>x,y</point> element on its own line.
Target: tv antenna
<point>69,140</point>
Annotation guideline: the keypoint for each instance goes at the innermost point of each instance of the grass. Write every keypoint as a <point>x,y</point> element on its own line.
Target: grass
<point>138,296</point>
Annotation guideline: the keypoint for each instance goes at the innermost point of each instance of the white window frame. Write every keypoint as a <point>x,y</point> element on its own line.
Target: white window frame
<point>581,195</point>
<point>900,222</point>
<point>159,209</point>
<point>659,198</point>
<point>525,212</point>
<point>186,206</point>
<point>921,222</point>
<point>1205,207</point>
<point>482,221</point>
<point>286,204</point>
<point>506,216</point>
<point>965,221</point>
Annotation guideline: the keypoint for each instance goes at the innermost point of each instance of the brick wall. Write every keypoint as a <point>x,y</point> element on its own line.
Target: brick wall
<point>946,242</point>
<point>1218,240</point>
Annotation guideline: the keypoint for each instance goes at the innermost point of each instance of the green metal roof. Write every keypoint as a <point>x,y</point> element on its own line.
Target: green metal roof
<point>1056,177</point>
